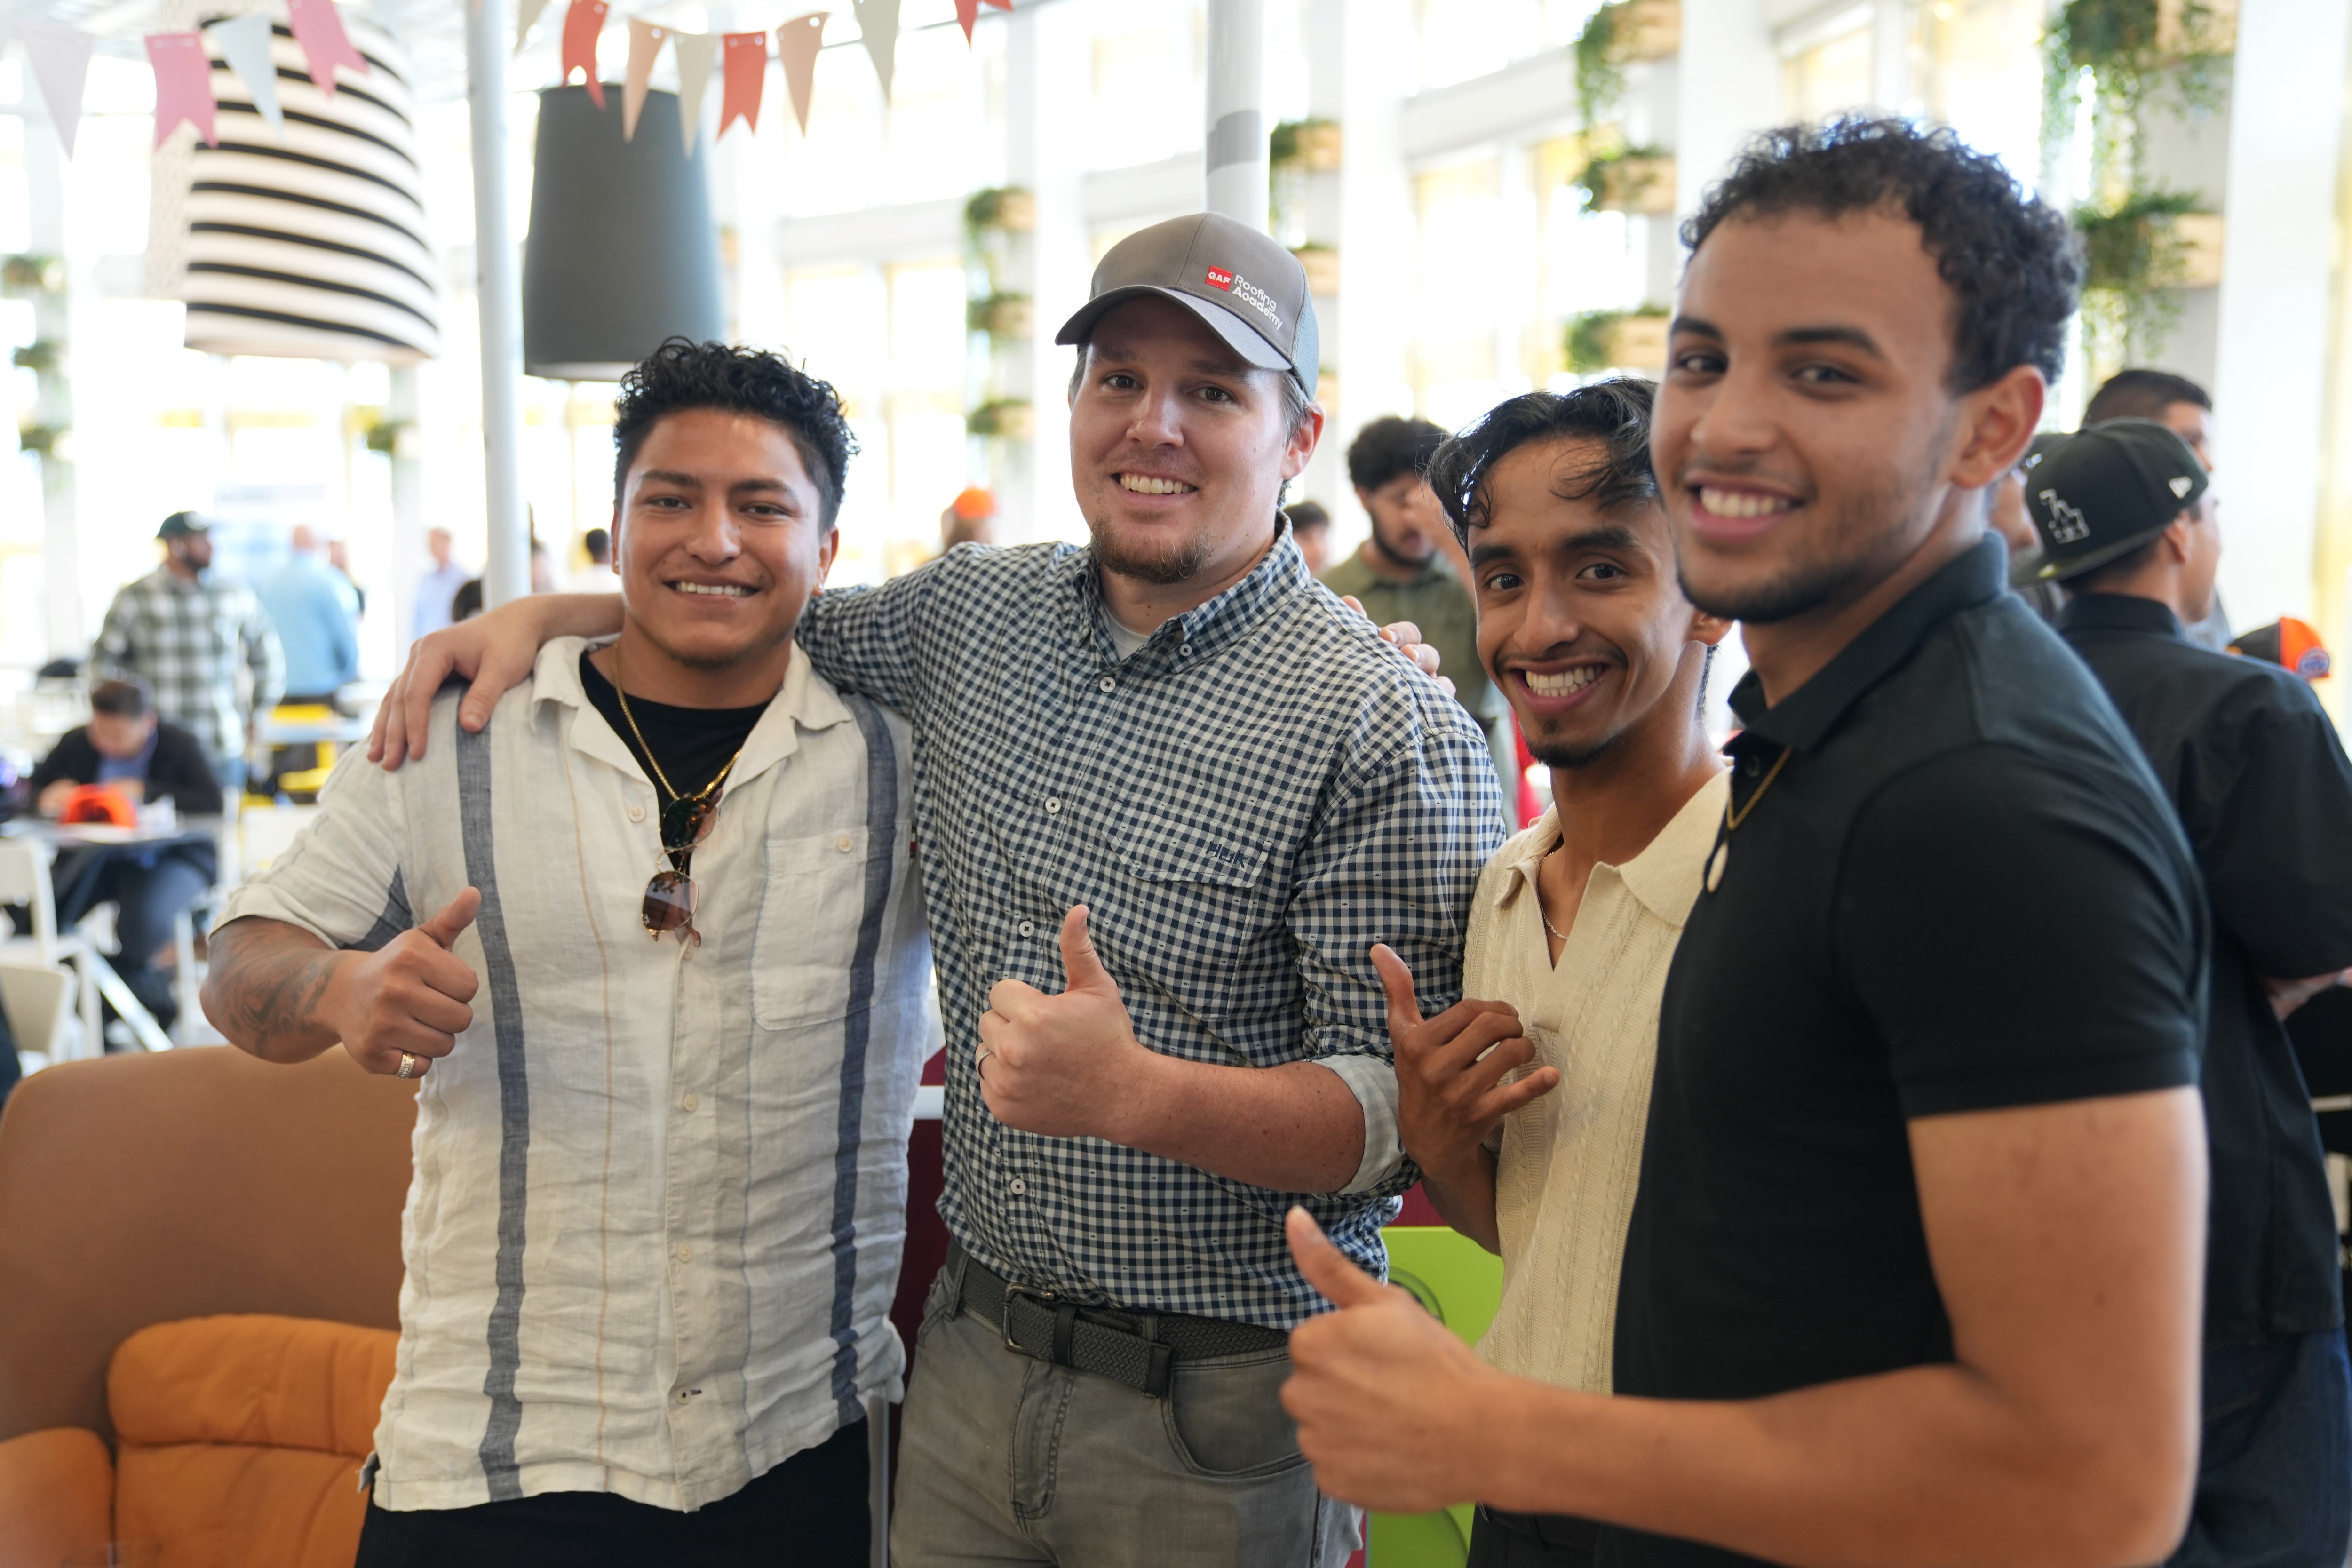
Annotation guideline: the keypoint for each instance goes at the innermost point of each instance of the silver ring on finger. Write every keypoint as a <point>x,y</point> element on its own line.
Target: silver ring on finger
<point>981,1060</point>
<point>407,1065</point>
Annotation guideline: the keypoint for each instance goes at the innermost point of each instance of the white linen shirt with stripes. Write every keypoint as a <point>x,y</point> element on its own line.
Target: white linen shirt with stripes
<point>1245,803</point>
<point>660,1191</point>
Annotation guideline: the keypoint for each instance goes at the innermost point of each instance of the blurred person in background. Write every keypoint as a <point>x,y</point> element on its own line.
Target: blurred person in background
<point>126,744</point>
<point>597,577</point>
<point>338,556</point>
<point>2007,515</point>
<point>2254,766</point>
<point>1310,528</point>
<point>2185,409</point>
<point>542,567</point>
<point>437,589</point>
<point>202,648</point>
<point>1402,571</point>
<point>970,519</point>
<point>316,613</point>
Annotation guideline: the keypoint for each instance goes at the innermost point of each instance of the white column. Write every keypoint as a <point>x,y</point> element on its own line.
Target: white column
<point>1046,56</point>
<point>2286,120</point>
<point>1378,265</point>
<point>1729,89</point>
<point>499,285</point>
<point>1890,25</point>
<point>45,179</point>
<point>1235,165</point>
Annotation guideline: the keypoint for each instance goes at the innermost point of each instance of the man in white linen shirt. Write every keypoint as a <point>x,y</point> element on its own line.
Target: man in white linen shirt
<point>659,1200</point>
<point>1583,627</point>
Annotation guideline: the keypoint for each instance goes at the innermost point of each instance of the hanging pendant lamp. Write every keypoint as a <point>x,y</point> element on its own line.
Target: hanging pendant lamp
<point>622,252</point>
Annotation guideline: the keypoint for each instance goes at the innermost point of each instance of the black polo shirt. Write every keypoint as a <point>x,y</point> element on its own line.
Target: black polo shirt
<point>1963,890</point>
<point>2263,788</point>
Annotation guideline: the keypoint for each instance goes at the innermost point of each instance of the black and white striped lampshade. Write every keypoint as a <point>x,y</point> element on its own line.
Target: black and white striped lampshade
<point>313,247</point>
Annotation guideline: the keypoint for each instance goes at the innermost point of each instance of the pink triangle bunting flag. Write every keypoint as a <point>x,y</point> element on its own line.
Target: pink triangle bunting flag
<point>61,65</point>
<point>797,42</point>
<point>184,85</point>
<point>583,24</point>
<point>319,28</point>
<point>646,42</point>
<point>745,67</point>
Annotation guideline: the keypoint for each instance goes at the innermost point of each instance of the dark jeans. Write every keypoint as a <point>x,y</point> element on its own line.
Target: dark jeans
<point>1499,1540</point>
<point>149,889</point>
<point>808,1512</point>
<point>2274,1476</point>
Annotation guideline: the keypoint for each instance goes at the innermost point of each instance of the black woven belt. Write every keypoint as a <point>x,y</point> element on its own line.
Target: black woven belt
<point>1136,1349</point>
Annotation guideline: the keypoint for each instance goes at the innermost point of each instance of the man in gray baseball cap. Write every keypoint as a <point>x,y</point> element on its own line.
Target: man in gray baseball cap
<point>1169,792</point>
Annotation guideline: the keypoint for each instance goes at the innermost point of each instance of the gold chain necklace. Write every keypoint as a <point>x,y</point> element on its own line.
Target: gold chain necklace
<point>1732,820</point>
<point>648,752</point>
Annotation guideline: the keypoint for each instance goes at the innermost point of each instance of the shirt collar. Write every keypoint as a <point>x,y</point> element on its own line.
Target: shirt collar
<point>2118,613</point>
<point>1202,631</point>
<point>1804,718</point>
<point>804,702</point>
<point>1664,877</point>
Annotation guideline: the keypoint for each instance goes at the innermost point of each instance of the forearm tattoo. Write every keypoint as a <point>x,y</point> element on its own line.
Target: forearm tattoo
<point>265,988</point>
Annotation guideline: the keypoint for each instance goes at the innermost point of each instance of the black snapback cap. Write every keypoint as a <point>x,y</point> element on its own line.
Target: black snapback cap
<point>1250,290</point>
<point>2105,491</point>
<point>181,524</point>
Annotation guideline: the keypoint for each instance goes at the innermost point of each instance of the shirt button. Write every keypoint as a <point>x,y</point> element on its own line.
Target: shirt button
<point>845,844</point>
<point>691,1103</point>
<point>685,1253</point>
<point>1053,808</point>
<point>1018,1187</point>
<point>1748,766</point>
<point>682,1397</point>
<point>636,813</point>
<point>1028,927</point>
<point>1106,683</point>
<point>1186,651</point>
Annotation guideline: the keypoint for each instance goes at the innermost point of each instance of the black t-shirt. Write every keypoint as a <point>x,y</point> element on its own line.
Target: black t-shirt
<point>2264,792</point>
<point>1964,891</point>
<point>691,744</point>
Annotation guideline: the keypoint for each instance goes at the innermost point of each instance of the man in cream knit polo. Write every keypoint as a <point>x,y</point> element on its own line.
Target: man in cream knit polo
<point>1524,1104</point>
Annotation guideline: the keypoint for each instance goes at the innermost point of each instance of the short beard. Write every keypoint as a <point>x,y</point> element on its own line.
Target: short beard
<point>1165,570</point>
<point>1568,759</point>
<point>1807,586</point>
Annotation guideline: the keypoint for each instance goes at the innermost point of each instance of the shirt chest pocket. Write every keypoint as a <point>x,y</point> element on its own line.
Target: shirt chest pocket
<point>813,909</point>
<point>1197,897</point>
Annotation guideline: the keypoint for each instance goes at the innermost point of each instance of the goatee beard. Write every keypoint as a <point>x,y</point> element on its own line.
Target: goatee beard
<point>1163,570</point>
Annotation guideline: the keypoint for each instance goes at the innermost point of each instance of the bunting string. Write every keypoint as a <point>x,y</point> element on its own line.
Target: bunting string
<point>59,56</point>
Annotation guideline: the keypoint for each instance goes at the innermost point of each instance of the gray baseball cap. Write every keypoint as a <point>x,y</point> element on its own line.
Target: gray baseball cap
<point>1250,290</point>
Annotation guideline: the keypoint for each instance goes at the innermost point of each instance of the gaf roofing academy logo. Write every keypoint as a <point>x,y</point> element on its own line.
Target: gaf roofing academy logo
<point>2067,523</point>
<point>1247,292</point>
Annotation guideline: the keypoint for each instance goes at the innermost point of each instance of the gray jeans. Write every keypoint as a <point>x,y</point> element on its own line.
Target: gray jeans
<point>1006,1460</point>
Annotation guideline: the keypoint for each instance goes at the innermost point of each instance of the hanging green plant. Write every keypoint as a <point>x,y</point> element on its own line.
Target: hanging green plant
<point>42,356</point>
<point>1000,315</point>
<point>2141,49</point>
<point>39,439</point>
<point>29,274</point>
<point>1616,35</point>
<point>1630,180</point>
<point>1000,209</point>
<point>383,436</point>
<point>1597,340</point>
<point>1004,418</point>
<point>1310,145</point>
<point>2135,259</point>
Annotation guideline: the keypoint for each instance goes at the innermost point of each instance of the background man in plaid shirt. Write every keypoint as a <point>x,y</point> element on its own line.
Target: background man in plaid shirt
<point>189,636</point>
<point>1170,791</point>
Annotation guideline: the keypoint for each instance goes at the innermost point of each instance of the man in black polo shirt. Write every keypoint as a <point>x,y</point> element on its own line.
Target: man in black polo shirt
<point>1913,1273</point>
<point>2263,787</point>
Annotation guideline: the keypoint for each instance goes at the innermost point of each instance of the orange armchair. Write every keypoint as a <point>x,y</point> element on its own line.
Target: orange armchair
<point>199,1285</point>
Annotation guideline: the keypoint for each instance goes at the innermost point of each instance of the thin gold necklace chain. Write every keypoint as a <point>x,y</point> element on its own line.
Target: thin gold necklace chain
<point>1732,820</point>
<point>648,750</point>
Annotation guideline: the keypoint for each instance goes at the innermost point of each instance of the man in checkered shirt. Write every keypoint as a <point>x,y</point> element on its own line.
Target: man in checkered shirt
<point>1170,793</point>
<point>186,634</point>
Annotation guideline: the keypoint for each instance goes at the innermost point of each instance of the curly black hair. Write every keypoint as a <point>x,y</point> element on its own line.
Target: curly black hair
<point>2013,262</point>
<point>1615,412</point>
<point>683,374</point>
<point>1390,446</point>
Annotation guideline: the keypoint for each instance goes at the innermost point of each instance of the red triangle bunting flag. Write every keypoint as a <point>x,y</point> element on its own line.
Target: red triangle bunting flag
<point>745,63</point>
<point>968,12</point>
<point>583,24</point>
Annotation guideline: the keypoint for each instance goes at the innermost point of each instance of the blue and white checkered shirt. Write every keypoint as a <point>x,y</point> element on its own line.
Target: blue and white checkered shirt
<point>1246,805</point>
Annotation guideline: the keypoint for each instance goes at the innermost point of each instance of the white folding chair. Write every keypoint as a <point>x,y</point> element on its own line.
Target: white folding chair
<point>25,880</point>
<point>36,999</point>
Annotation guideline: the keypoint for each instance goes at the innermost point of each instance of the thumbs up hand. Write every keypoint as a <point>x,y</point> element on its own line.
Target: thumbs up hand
<point>409,996</point>
<point>1063,1067</point>
<point>1450,1070</point>
<point>1388,1401</point>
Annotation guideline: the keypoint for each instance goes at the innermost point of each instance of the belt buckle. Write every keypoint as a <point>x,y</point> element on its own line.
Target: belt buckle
<point>1042,1297</point>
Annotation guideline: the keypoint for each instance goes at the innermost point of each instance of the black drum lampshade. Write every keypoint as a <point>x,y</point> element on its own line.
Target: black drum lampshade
<point>622,251</point>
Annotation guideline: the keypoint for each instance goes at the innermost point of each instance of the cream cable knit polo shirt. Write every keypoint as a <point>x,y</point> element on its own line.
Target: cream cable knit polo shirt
<point>1568,1164</point>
